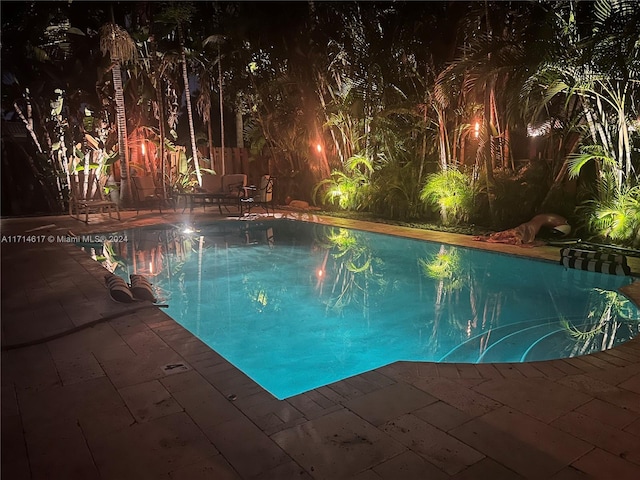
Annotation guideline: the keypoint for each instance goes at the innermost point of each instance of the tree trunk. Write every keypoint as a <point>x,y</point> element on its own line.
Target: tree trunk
<point>239,125</point>
<point>210,140</point>
<point>320,85</point>
<point>508,155</point>
<point>442,135</point>
<point>221,109</point>
<point>123,150</point>
<point>488,160</point>
<point>187,93</point>
<point>161,121</point>
<point>163,162</point>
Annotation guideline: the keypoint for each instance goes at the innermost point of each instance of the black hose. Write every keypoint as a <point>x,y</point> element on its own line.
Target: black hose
<point>80,327</point>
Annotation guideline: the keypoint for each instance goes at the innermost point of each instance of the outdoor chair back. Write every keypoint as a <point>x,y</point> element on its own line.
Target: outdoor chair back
<point>262,196</point>
<point>233,184</point>
<point>146,192</point>
<point>211,183</point>
<point>86,196</point>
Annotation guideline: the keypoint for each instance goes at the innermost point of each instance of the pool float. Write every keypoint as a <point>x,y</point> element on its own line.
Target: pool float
<point>525,234</point>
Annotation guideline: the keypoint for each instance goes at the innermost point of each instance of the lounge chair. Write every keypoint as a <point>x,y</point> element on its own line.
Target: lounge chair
<point>86,196</point>
<point>261,195</point>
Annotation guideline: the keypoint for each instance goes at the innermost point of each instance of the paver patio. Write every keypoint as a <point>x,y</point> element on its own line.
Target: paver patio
<point>99,404</point>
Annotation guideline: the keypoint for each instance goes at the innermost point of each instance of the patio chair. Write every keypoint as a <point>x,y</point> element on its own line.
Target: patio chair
<point>86,196</point>
<point>223,190</point>
<point>234,187</point>
<point>261,195</point>
<point>146,193</point>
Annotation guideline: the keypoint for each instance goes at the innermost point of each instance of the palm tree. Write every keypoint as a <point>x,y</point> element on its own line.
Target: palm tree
<point>597,74</point>
<point>217,40</point>
<point>158,74</point>
<point>179,14</point>
<point>203,105</point>
<point>121,48</point>
<point>492,66</point>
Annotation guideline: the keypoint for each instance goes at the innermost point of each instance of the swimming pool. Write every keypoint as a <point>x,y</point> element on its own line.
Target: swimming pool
<point>297,305</point>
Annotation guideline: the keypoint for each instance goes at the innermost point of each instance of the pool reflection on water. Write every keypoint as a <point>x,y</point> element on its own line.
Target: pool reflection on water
<point>297,305</point>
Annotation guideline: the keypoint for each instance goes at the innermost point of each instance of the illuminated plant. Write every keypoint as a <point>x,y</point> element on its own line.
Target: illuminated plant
<point>451,192</point>
<point>349,190</point>
<point>444,267</point>
<point>613,214</point>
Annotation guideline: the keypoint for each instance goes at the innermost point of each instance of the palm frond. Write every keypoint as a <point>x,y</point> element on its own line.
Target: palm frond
<point>116,41</point>
<point>588,153</point>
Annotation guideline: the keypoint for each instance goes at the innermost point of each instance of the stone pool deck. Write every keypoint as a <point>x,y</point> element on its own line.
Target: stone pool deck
<point>105,403</point>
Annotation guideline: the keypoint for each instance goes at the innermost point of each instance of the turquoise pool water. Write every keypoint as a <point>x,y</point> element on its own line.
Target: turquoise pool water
<point>297,305</point>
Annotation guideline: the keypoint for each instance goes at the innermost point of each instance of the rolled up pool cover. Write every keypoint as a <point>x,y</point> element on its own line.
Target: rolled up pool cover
<point>591,261</point>
<point>593,255</point>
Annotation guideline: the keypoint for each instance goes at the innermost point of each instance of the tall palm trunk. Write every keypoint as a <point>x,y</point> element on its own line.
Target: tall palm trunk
<point>158,85</point>
<point>488,153</point>
<point>187,93</point>
<point>239,123</point>
<point>162,133</point>
<point>121,48</point>
<point>320,88</point>
<point>123,148</point>
<point>489,159</point>
<point>221,109</point>
<point>210,138</point>
<point>203,105</point>
<point>443,139</point>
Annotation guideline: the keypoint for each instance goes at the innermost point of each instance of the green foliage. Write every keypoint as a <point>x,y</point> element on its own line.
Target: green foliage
<point>186,179</point>
<point>441,266</point>
<point>361,272</point>
<point>614,214</point>
<point>445,266</point>
<point>350,190</point>
<point>589,153</point>
<point>177,12</point>
<point>394,191</point>
<point>452,192</point>
<point>606,311</point>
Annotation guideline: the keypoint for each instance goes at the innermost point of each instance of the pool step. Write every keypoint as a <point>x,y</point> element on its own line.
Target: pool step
<point>518,342</point>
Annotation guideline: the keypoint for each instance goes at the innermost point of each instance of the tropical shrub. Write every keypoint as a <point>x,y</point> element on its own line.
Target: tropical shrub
<point>613,214</point>
<point>394,192</point>
<point>452,192</point>
<point>349,190</point>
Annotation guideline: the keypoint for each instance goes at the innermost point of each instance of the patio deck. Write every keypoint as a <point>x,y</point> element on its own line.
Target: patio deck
<point>101,404</point>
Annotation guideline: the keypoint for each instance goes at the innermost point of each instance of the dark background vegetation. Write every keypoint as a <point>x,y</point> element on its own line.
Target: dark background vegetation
<point>397,95</point>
